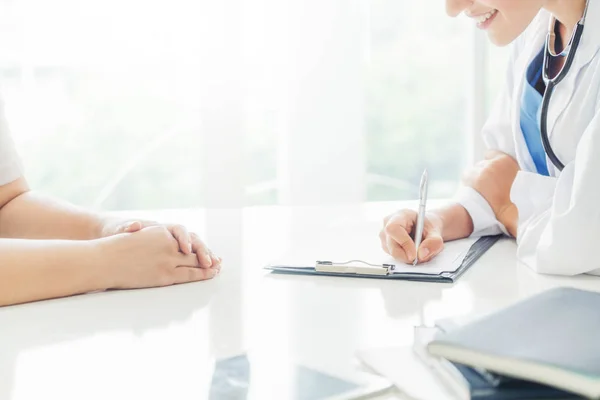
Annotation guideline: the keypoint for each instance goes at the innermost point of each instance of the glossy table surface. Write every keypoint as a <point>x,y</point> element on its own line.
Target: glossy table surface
<point>162,343</point>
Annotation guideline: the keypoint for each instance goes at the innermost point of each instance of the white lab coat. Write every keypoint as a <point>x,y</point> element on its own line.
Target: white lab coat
<point>559,216</point>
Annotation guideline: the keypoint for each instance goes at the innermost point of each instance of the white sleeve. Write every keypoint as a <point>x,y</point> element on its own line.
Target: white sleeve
<point>484,219</point>
<point>497,135</point>
<point>559,218</point>
<point>10,164</point>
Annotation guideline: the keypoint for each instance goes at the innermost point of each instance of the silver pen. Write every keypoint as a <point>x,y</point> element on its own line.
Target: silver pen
<point>421,215</point>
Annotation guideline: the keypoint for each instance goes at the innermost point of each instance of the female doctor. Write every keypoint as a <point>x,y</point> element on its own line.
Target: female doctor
<point>540,180</point>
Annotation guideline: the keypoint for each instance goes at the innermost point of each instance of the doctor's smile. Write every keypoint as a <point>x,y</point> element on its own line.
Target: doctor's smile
<point>485,20</point>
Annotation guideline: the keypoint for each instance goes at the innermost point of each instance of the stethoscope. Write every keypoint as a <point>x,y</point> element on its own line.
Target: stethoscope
<point>570,52</point>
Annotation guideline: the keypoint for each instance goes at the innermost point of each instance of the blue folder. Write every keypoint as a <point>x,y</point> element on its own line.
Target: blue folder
<point>475,252</point>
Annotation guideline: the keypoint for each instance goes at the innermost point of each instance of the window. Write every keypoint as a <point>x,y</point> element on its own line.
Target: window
<point>102,99</point>
<point>417,98</point>
<point>126,104</point>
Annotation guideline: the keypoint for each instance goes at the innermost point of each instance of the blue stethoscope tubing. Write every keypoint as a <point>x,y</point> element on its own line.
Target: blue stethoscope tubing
<point>552,82</point>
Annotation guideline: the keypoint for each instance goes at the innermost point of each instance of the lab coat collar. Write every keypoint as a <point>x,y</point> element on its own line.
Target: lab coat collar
<point>588,48</point>
<point>532,43</point>
<point>590,41</point>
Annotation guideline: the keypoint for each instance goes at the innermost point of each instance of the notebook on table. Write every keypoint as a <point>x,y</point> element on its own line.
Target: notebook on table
<point>470,383</point>
<point>551,338</point>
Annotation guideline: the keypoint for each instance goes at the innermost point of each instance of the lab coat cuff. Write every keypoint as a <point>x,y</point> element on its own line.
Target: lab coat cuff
<point>484,219</point>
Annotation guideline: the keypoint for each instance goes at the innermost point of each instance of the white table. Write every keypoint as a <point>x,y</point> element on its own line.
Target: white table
<point>161,343</point>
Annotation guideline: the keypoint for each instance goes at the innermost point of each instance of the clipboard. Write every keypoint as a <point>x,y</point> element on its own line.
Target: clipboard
<point>362,269</point>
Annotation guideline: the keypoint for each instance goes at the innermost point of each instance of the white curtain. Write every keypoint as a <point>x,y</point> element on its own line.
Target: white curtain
<point>125,104</point>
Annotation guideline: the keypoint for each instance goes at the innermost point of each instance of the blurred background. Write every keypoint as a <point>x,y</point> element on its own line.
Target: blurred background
<point>130,104</point>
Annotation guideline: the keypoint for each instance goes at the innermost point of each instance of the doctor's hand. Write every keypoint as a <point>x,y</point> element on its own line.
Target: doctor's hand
<point>493,179</point>
<point>396,237</point>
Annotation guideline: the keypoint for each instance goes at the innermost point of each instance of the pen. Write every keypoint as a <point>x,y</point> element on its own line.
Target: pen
<point>421,214</point>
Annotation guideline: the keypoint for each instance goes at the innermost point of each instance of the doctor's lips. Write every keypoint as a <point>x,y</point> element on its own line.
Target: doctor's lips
<point>484,20</point>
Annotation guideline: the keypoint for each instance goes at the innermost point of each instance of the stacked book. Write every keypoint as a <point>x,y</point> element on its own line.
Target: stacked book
<point>545,347</point>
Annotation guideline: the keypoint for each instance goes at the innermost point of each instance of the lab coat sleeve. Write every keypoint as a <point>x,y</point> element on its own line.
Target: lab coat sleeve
<point>497,135</point>
<point>559,218</point>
